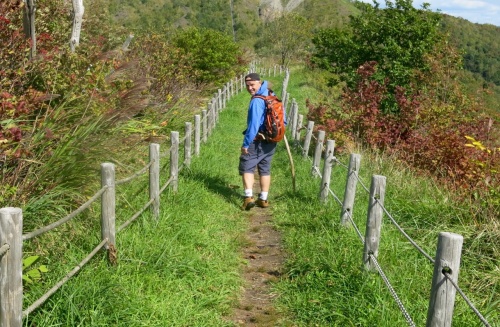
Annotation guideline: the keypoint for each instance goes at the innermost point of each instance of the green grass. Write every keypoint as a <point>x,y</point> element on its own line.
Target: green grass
<point>184,269</point>
<point>325,284</point>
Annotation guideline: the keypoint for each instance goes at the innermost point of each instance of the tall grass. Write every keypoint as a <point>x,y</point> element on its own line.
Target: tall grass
<point>325,284</point>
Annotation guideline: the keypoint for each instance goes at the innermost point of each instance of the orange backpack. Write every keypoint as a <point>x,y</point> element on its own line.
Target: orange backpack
<point>274,120</point>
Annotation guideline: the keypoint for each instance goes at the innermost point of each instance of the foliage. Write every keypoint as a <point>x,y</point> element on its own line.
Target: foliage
<point>428,133</point>
<point>479,44</point>
<point>397,37</point>
<point>214,57</point>
<point>286,37</point>
<point>33,274</point>
<point>51,106</point>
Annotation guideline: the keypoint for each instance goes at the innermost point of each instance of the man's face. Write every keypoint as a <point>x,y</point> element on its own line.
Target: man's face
<point>253,86</point>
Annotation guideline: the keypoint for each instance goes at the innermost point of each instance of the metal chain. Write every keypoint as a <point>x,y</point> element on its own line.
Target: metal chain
<point>393,292</point>
<point>4,249</point>
<point>356,228</point>
<point>335,196</point>
<point>340,163</point>
<point>469,303</point>
<point>404,233</point>
<point>362,184</point>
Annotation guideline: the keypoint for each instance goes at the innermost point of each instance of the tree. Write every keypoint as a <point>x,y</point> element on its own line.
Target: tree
<point>397,37</point>
<point>214,56</point>
<point>287,36</point>
<point>78,11</point>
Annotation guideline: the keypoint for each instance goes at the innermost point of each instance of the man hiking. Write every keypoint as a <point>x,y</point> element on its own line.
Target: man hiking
<point>255,150</point>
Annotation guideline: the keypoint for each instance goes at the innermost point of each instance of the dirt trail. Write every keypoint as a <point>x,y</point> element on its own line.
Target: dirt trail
<point>264,257</point>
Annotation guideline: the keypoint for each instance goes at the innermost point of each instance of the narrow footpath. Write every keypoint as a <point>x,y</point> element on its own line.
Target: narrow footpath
<point>264,256</point>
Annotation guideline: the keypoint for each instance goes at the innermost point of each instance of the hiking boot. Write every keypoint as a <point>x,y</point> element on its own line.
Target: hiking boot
<point>262,203</point>
<point>248,203</point>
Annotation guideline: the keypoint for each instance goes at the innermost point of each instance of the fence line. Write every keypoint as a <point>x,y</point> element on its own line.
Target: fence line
<point>442,297</point>
<point>11,313</point>
<point>72,215</point>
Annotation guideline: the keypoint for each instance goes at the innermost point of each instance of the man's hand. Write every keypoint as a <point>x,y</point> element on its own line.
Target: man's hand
<point>244,150</point>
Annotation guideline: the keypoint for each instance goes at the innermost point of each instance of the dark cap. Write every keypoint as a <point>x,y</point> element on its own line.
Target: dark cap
<point>252,77</point>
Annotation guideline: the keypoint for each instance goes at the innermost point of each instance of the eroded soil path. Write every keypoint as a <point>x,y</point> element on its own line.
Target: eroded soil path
<point>264,256</point>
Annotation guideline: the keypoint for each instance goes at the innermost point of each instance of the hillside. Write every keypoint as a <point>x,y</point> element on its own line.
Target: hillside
<point>480,43</point>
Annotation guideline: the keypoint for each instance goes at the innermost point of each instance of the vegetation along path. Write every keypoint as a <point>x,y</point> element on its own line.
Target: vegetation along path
<point>205,262</point>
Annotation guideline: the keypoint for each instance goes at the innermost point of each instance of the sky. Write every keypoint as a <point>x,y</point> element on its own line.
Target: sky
<point>475,11</point>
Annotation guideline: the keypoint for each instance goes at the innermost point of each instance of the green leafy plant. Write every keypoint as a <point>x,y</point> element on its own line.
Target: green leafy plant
<point>33,274</point>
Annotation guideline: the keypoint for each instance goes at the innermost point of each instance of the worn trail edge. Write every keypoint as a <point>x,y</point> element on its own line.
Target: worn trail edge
<point>264,256</point>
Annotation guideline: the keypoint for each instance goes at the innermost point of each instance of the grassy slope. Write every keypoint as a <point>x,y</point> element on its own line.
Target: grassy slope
<point>184,269</point>
<point>325,285</point>
<point>180,271</point>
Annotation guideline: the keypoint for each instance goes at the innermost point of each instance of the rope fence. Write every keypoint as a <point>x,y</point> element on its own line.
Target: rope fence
<point>12,238</point>
<point>446,264</point>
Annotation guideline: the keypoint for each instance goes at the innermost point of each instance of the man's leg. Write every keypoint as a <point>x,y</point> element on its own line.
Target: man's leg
<point>247,181</point>
<point>265,183</point>
<point>248,202</point>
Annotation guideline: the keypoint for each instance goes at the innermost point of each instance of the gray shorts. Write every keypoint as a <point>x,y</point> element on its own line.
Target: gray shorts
<point>260,154</point>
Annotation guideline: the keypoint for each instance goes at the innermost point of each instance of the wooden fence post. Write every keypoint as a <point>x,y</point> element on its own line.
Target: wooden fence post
<point>300,123</point>
<point>327,170</point>
<point>294,114</point>
<point>204,125</point>
<point>350,188</point>
<point>187,144</point>
<point>154,178</point>
<point>174,159</point>
<point>219,99</point>
<point>374,221</point>
<point>197,134</point>
<point>215,112</point>
<point>11,267</point>
<point>216,109</point>
<point>442,300</point>
<point>108,207</point>
<point>307,140</point>
<point>224,96</point>
<point>210,118</point>
<point>317,154</point>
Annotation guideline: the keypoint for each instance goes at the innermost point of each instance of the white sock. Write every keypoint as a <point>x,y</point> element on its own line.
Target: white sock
<point>263,195</point>
<point>248,192</point>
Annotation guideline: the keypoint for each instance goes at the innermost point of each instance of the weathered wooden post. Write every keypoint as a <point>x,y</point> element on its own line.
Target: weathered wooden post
<point>216,114</point>
<point>11,267</point>
<point>204,125</point>
<point>108,207</point>
<point>154,179</point>
<point>78,11</point>
<point>317,154</point>
<point>294,114</point>
<point>374,221</point>
<point>197,134</point>
<point>219,98</point>
<point>350,189</point>
<point>442,300</point>
<point>224,96</point>
<point>307,140</point>
<point>187,144</point>
<point>284,100</point>
<point>210,118</point>
<point>300,123</point>
<point>327,170</point>
<point>174,160</point>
